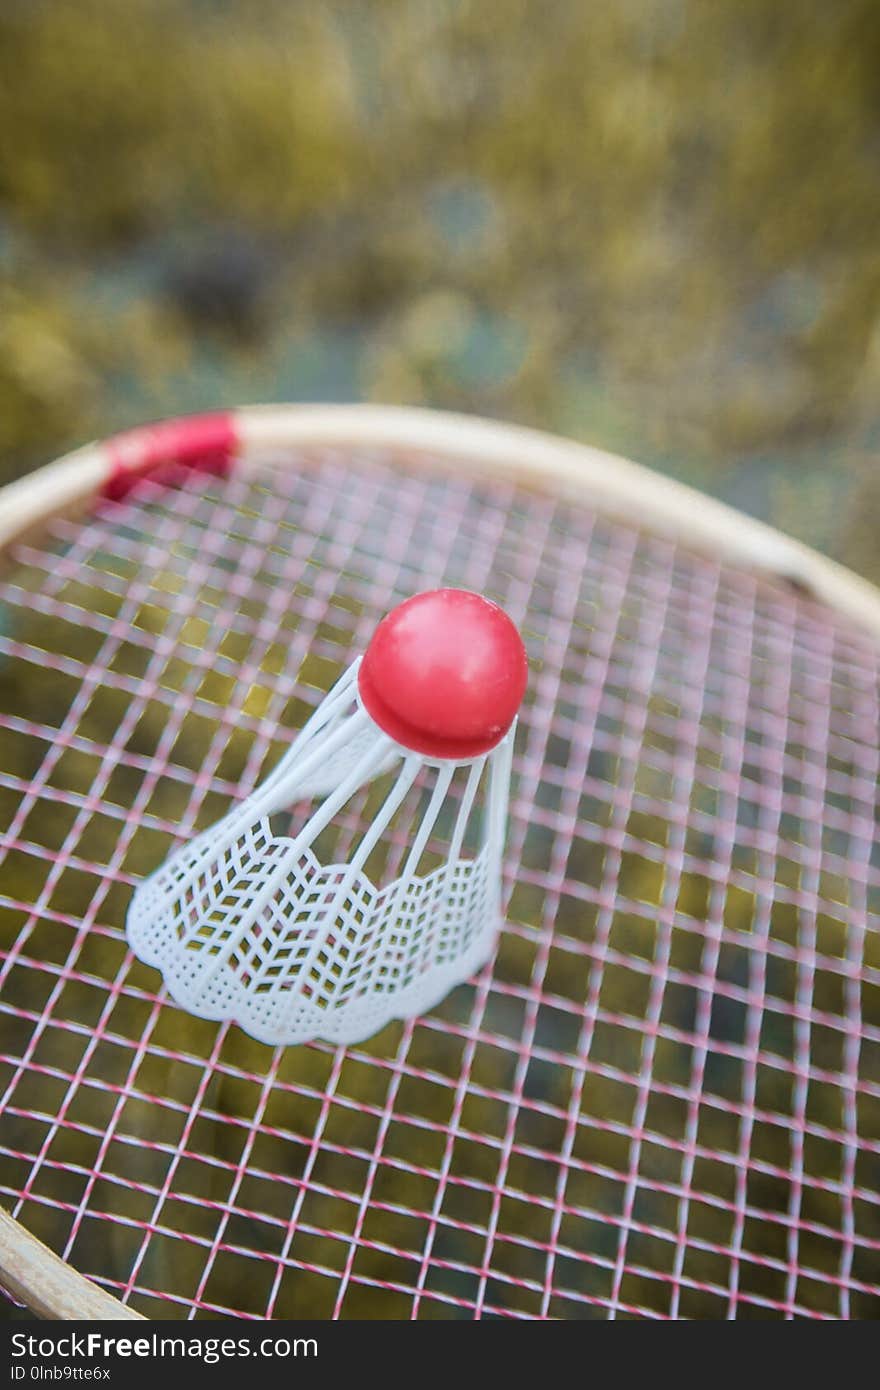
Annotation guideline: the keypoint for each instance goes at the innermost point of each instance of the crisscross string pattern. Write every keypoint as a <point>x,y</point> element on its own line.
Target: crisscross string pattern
<point>662,1096</point>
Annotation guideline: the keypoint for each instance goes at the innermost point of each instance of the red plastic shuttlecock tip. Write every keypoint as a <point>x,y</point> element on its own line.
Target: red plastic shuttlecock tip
<point>444,674</point>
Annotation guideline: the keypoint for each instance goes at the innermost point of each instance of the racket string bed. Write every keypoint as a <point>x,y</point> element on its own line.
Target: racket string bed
<point>662,1096</point>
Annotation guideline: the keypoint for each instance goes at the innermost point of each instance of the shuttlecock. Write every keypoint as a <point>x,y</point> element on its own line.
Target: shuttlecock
<point>249,925</point>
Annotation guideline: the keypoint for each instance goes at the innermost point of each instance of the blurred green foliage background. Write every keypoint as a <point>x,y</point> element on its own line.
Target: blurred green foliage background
<point>652,225</point>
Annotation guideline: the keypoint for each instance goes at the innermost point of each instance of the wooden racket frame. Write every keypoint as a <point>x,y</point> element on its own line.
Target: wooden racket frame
<point>257,436</point>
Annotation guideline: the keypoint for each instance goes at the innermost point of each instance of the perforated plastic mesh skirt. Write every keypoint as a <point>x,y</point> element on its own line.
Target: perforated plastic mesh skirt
<point>662,1098</point>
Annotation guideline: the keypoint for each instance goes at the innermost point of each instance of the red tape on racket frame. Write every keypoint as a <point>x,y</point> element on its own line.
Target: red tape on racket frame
<point>205,443</point>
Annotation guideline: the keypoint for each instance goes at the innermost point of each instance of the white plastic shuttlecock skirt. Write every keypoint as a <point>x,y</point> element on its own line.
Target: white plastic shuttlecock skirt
<point>250,926</point>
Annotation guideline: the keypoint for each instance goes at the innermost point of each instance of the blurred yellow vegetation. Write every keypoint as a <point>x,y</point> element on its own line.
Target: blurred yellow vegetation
<point>652,224</point>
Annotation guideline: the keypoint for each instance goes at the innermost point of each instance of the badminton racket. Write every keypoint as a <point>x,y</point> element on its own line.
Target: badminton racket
<point>660,1098</point>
